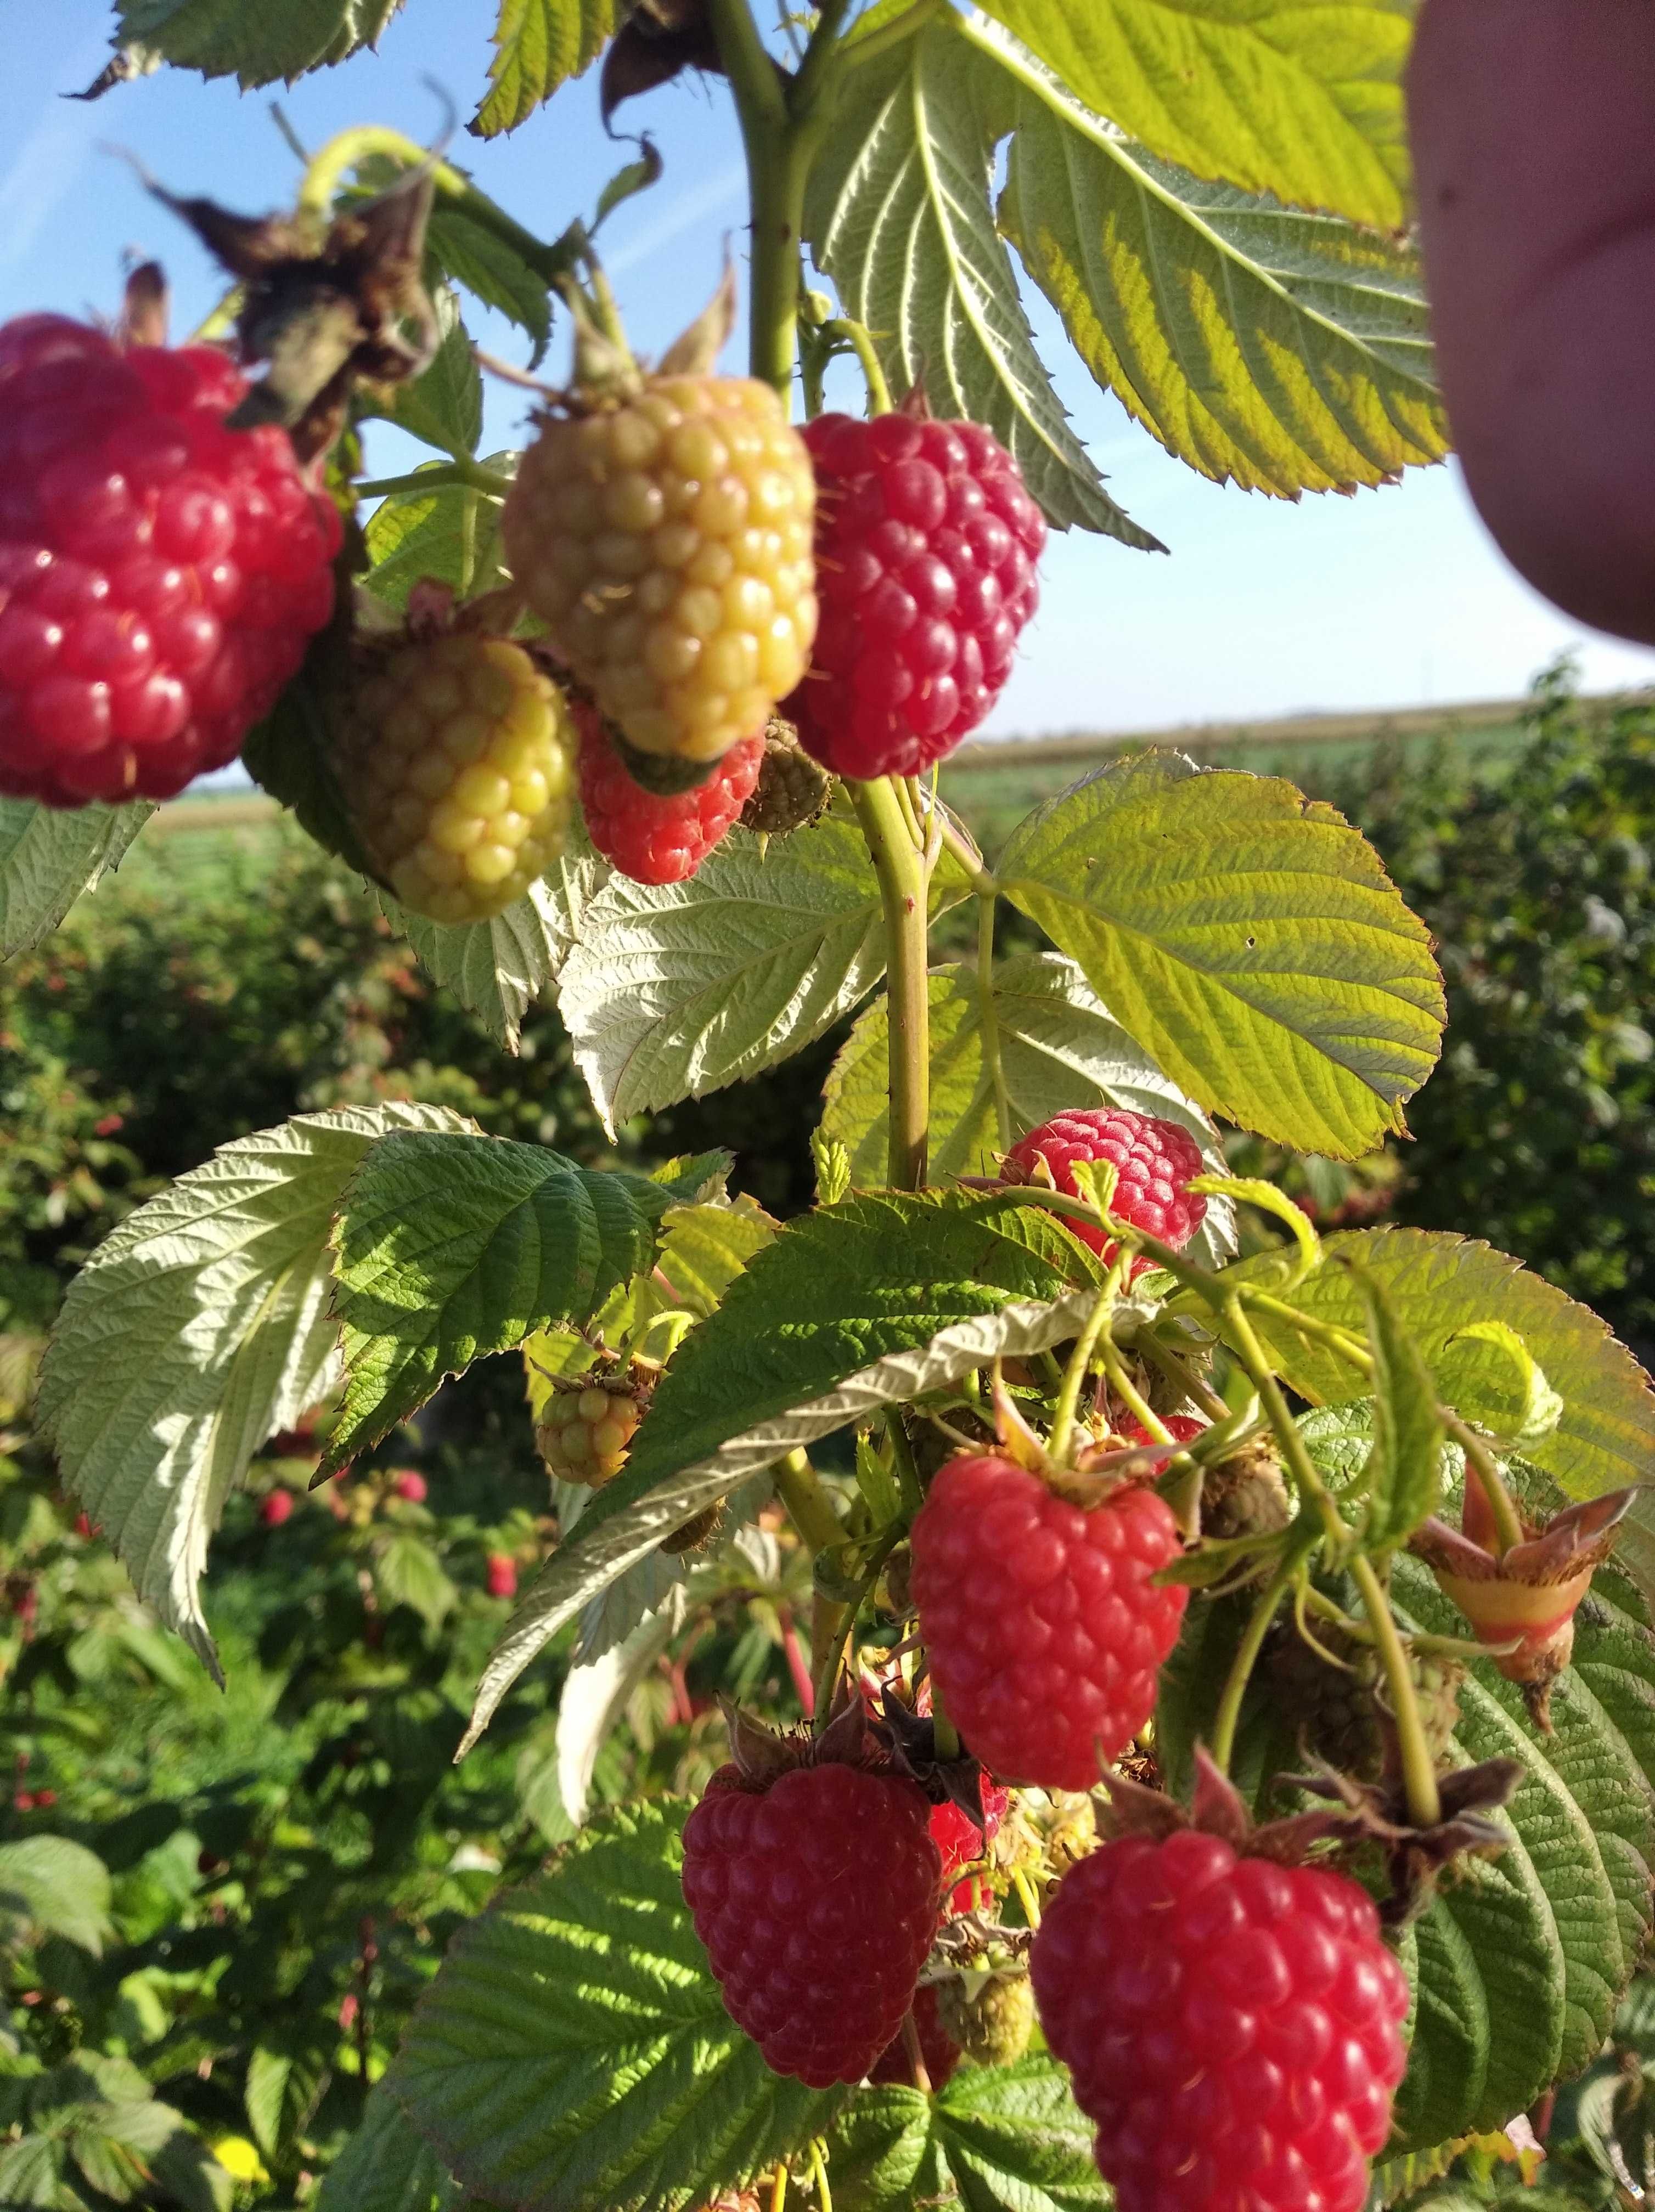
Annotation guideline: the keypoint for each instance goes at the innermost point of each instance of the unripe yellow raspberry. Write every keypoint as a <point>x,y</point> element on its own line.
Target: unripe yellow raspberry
<point>666,541</point>
<point>584,1435</point>
<point>458,757</point>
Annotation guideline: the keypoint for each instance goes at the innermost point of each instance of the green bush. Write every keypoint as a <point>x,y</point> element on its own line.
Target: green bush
<point>1537,1132</point>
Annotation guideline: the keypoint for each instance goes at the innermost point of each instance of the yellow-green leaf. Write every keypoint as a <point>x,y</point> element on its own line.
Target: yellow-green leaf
<point>1277,96</point>
<point>1247,937</point>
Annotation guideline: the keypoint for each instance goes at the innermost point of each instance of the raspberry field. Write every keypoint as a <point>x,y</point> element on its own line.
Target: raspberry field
<point>747,1462</point>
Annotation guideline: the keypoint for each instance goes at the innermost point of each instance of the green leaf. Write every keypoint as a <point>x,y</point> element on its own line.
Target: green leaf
<point>573,2049</point>
<point>413,535</point>
<point>387,2166</point>
<point>276,39</point>
<point>491,271</point>
<point>288,2070</point>
<point>853,1307</point>
<point>1278,349</point>
<point>291,754</point>
<point>450,1245</point>
<point>49,856</point>
<point>1403,1476</point>
<point>196,1329</point>
<point>1522,1958</point>
<point>539,44</point>
<point>1005,2135</point>
<point>408,1571</point>
<point>1058,1048</point>
<point>1439,1284</point>
<point>443,404</point>
<point>1487,1373</point>
<point>1303,102</point>
<point>499,968</point>
<point>900,214</point>
<point>1247,937</point>
<point>669,994</point>
<point>55,1887</point>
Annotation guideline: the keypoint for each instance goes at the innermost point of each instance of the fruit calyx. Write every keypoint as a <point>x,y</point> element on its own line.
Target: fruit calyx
<point>1525,1597</point>
<point>762,1755</point>
<point>1355,1816</point>
<point>910,1739</point>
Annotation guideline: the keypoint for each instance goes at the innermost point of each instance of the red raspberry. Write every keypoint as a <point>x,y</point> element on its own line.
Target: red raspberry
<point>1183,1428</point>
<point>926,543</point>
<point>276,1507</point>
<point>938,2048</point>
<point>1229,2022</point>
<point>408,1482</point>
<point>659,840</point>
<point>159,573</point>
<point>817,1899</point>
<point>1155,1159</point>
<point>503,1575</point>
<point>961,1843</point>
<point>1044,1628</point>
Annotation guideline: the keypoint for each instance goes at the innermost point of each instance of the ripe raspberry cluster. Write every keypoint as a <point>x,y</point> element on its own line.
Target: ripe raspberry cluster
<point>1234,2025</point>
<point>457,753</point>
<point>652,837</point>
<point>584,1435</point>
<point>925,541</point>
<point>665,542</point>
<point>1044,1625</point>
<point>1154,1160</point>
<point>159,573</point>
<point>816,1900</point>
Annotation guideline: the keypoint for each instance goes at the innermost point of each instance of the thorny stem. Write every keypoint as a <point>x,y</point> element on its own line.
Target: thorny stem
<point>902,890</point>
<point>1483,1467</point>
<point>1074,1374</point>
<point>1031,1899</point>
<point>1419,1768</point>
<point>855,334</point>
<point>987,1018</point>
<point>329,168</point>
<point>1241,1668</point>
<point>970,860</point>
<point>810,1508</point>
<point>778,162</point>
<point>441,476</point>
<point>1128,1391</point>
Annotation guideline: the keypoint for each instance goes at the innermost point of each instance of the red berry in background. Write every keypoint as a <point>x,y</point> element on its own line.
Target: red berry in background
<point>1045,1627</point>
<point>654,839</point>
<point>816,1898</point>
<point>926,543</point>
<point>276,1507</point>
<point>938,2048</point>
<point>160,574</point>
<point>501,1574</point>
<point>1183,1428</point>
<point>1228,2021</point>
<point>44,1800</point>
<point>1155,1160</point>
<point>408,1482</point>
<point>960,1842</point>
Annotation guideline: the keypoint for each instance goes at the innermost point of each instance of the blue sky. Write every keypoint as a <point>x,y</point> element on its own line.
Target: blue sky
<point>1395,597</point>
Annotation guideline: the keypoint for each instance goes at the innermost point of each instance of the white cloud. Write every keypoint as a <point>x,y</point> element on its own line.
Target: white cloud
<point>48,163</point>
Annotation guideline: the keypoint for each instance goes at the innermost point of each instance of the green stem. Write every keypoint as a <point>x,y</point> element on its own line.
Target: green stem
<point>1196,1391</point>
<point>1136,1403</point>
<point>1074,1374</point>
<point>902,891</point>
<point>813,77</point>
<point>970,860</point>
<point>819,2176</point>
<point>945,1736</point>
<point>856,335</point>
<point>810,1508</point>
<point>1239,1331</point>
<point>443,476</point>
<point>470,501</point>
<point>1419,1768</point>
<point>329,168</point>
<point>1508,1525</point>
<point>902,1458</point>
<point>1241,1668</point>
<point>988,1020</point>
<point>777,165</point>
